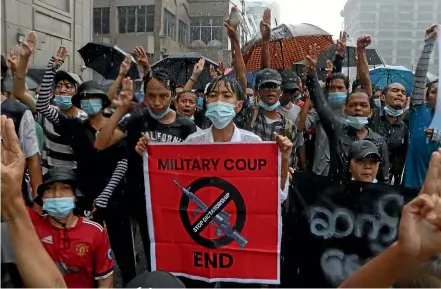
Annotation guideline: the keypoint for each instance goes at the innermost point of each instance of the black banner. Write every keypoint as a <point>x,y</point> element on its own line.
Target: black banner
<point>330,229</point>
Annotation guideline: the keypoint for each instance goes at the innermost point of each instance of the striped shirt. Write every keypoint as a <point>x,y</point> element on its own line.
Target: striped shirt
<point>56,149</point>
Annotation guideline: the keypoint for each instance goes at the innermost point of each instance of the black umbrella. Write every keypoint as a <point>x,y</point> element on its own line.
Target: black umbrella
<point>180,67</point>
<point>106,59</point>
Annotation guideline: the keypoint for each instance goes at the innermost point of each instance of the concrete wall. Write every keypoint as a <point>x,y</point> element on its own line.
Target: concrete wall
<point>57,22</point>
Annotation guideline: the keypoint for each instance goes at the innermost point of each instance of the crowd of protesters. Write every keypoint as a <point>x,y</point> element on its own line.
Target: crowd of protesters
<point>72,176</point>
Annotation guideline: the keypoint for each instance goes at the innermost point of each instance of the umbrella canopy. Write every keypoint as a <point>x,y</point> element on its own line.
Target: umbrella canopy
<point>288,44</point>
<point>106,59</point>
<point>373,55</point>
<point>180,67</point>
<point>387,74</point>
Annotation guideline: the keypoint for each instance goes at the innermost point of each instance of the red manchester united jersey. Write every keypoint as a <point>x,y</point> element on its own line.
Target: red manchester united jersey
<point>82,253</point>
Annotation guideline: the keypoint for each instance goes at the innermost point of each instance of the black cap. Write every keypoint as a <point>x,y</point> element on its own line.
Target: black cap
<point>361,149</point>
<point>268,75</point>
<point>4,65</point>
<point>90,88</point>
<point>155,279</point>
<point>57,175</point>
<point>290,80</point>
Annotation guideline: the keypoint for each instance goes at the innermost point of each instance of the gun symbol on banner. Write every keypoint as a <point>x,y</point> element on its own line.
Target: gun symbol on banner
<point>222,219</point>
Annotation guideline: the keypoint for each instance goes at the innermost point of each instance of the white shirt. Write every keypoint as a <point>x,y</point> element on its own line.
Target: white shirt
<point>239,135</point>
<point>27,135</point>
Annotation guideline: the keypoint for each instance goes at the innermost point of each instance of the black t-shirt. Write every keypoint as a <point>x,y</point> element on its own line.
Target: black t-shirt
<point>139,122</point>
<point>94,168</point>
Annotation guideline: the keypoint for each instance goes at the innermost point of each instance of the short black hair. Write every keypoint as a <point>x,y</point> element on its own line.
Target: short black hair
<point>359,90</point>
<point>235,86</point>
<point>186,91</point>
<point>337,75</point>
<point>429,87</point>
<point>162,76</point>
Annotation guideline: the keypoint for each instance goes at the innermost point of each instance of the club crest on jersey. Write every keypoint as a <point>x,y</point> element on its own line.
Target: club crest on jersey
<point>81,250</point>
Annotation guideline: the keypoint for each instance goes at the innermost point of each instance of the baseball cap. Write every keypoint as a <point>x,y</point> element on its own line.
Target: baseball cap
<point>267,75</point>
<point>361,149</point>
<point>155,279</point>
<point>290,80</point>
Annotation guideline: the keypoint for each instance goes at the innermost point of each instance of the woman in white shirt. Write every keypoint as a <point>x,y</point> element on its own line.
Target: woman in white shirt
<point>225,99</point>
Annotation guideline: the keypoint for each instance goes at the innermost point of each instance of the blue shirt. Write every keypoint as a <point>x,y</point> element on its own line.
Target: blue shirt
<point>420,149</point>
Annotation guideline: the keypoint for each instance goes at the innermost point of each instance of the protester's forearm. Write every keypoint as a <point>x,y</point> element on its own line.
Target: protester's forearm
<point>191,82</point>
<point>381,272</point>
<point>19,85</point>
<point>44,97</point>
<point>419,81</point>
<point>106,283</point>
<point>265,57</point>
<point>303,113</point>
<point>34,167</point>
<point>117,177</point>
<point>146,69</point>
<point>239,63</point>
<point>363,71</point>
<point>112,93</point>
<point>338,63</point>
<point>39,271</point>
<point>104,138</point>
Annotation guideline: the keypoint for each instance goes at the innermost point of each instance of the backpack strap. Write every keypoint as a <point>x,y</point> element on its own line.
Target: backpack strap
<point>254,114</point>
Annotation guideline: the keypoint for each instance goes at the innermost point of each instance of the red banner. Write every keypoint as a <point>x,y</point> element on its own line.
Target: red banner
<point>214,211</point>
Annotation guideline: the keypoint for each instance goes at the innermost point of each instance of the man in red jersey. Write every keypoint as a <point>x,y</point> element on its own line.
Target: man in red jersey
<point>78,246</point>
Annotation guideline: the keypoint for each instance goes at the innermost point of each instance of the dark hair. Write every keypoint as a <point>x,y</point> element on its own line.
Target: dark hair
<point>250,85</point>
<point>4,66</point>
<point>359,90</point>
<point>429,87</point>
<point>185,92</point>
<point>355,83</point>
<point>337,75</point>
<point>180,86</point>
<point>236,89</point>
<point>162,76</point>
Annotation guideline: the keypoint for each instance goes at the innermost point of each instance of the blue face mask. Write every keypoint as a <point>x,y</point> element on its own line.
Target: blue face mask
<point>158,116</point>
<point>220,113</point>
<point>58,207</point>
<point>393,112</point>
<point>251,100</point>
<point>298,97</point>
<point>63,102</point>
<point>337,99</point>
<point>357,122</point>
<point>269,107</point>
<point>91,106</point>
<point>377,102</point>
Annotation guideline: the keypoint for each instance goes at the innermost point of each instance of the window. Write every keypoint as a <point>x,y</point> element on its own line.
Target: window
<point>183,33</point>
<point>136,18</point>
<point>206,29</point>
<point>169,24</point>
<point>101,20</point>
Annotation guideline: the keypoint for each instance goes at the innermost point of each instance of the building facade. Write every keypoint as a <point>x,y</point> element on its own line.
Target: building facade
<point>254,12</point>
<point>163,27</point>
<point>396,27</point>
<point>57,22</point>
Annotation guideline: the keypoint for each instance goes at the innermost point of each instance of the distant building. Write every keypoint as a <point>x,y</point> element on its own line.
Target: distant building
<point>254,11</point>
<point>57,22</point>
<point>397,27</point>
<point>164,27</point>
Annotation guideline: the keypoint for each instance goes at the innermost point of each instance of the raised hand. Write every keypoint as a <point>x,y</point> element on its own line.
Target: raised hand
<point>220,68</point>
<point>213,72</point>
<point>141,146</point>
<point>311,58</point>
<point>432,183</point>
<point>432,31</point>
<point>199,67</point>
<point>265,24</point>
<point>284,143</point>
<point>125,65</point>
<point>419,235</point>
<point>141,57</point>
<point>13,162</point>
<point>59,57</point>
<point>329,67</point>
<point>12,59</point>
<point>341,43</point>
<point>363,41</point>
<point>125,97</point>
<point>231,30</point>
<point>28,46</point>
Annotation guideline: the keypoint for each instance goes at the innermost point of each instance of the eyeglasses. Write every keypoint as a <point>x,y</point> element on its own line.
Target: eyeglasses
<point>269,86</point>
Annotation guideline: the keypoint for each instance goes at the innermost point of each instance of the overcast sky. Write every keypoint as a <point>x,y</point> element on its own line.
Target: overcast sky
<point>322,13</point>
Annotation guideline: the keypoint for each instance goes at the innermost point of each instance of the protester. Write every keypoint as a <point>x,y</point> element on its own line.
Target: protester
<point>422,110</point>
<point>39,271</point>
<point>363,161</point>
